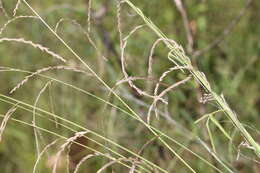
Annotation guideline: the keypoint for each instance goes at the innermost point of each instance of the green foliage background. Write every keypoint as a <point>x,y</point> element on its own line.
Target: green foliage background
<point>232,67</point>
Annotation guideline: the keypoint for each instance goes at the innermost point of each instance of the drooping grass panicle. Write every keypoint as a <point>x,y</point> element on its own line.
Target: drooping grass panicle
<point>64,146</point>
<point>5,120</point>
<point>35,45</point>
<point>14,19</point>
<point>123,44</point>
<point>165,74</point>
<point>150,58</point>
<point>39,71</point>
<point>157,97</point>
<point>77,56</point>
<point>179,55</point>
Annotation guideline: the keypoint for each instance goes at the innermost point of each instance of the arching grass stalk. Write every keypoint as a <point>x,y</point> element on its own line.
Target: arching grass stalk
<point>109,88</point>
<point>65,138</point>
<point>108,103</point>
<point>108,140</point>
<point>145,161</point>
<point>179,58</point>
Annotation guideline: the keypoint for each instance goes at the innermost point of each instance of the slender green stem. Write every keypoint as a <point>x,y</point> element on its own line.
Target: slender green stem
<point>201,79</point>
<point>63,137</point>
<point>105,84</point>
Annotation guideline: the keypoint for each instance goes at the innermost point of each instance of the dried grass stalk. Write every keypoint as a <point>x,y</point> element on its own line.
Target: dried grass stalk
<point>68,142</point>
<point>6,118</point>
<point>157,97</point>
<point>44,70</point>
<point>41,154</point>
<point>14,19</point>
<point>16,7</point>
<point>35,45</point>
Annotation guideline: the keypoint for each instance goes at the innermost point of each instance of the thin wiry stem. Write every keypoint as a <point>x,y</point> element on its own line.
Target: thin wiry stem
<point>34,117</point>
<point>185,19</point>
<point>106,85</point>
<point>150,59</point>
<point>86,33</point>
<point>16,7</point>
<point>111,163</point>
<point>3,9</point>
<point>123,44</point>
<point>112,105</point>
<point>164,75</point>
<point>14,19</point>
<point>63,137</point>
<point>157,97</point>
<point>133,31</point>
<point>89,156</point>
<point>42,152</point>
<point>87,130</point>
<point>39,71</point>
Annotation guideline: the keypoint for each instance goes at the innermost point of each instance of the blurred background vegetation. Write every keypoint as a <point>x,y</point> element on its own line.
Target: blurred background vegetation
<point>231,66</point>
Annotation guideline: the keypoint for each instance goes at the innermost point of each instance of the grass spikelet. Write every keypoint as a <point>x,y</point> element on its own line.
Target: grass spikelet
<point>39,71</point>
<point>6,118</point>
<point>164,75</point>
<point>150,59</point>
<point>14,19</point>
<point>35,45</point>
